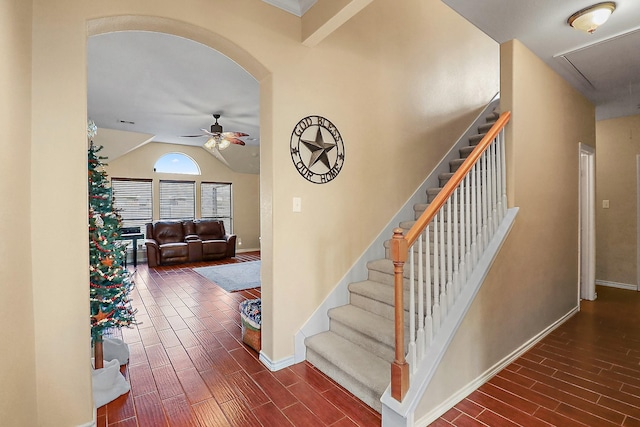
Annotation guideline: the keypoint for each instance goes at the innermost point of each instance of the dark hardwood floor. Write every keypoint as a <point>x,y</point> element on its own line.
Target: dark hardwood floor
<point>189,367</point>
<point>585,373</point>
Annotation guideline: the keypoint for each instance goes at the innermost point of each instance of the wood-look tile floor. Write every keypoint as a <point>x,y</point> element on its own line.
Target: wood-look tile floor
<point>189,367</point>
<point>585,373</point>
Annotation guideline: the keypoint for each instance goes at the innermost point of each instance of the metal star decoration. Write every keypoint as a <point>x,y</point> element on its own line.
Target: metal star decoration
<point>319,149</point>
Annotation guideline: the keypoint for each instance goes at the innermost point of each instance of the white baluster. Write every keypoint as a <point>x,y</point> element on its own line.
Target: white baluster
<point>443,268</point>
<point>437,318</point>
<point>456,244</point>
<point>411,351</point>
<point>503,167</point>
<point>484,187</point>
<point>462,268</point>
<point>450,292</point>
<point>468,234</point>
<point>490,193</point>
<point>420,337</point>
<point>429,318</point>
<point>496,186</point>
<point>476,225</point>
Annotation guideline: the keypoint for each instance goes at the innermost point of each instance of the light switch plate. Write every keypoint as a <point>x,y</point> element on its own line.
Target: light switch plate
<point>297,204</point>
<point>605,204</point>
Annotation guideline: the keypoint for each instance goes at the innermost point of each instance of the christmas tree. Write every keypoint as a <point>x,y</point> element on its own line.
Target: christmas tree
<point>109,282</point>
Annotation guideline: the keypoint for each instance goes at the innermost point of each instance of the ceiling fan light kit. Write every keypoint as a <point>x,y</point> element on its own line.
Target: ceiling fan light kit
<point>590,18</point>
<point>219,140</point>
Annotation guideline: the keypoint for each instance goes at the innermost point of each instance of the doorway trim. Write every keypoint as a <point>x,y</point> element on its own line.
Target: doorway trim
<point>586,224</point>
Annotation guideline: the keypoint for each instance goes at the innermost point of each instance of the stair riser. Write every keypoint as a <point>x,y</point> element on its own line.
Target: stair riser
<point>382,350</point>
<point>361,391</point>
<point>380,308</point>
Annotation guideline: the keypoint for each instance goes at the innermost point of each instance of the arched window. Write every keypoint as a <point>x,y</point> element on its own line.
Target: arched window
<point>177,163</point>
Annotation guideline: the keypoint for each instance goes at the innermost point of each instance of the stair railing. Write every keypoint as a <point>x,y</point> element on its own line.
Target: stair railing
<point>446,243</point>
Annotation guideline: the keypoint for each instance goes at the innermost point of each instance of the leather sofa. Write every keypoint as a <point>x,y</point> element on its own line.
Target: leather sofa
<point>173,242</point>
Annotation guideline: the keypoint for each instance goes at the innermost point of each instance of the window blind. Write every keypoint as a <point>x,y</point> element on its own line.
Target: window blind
<point>216,203</point>
<point>177,199</point>
<point>133,198</point>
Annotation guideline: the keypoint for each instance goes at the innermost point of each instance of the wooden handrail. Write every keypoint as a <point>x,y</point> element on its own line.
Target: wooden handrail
<point>458,176</point>
<point>400,244</point>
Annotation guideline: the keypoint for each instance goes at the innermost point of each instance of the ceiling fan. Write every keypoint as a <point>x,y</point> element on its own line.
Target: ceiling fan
<point>217,138</point>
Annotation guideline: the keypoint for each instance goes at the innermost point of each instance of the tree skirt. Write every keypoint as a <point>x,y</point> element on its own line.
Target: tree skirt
<point>108,383</point>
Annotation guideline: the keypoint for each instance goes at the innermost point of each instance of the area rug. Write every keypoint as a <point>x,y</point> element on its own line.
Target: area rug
<point>233,277</point>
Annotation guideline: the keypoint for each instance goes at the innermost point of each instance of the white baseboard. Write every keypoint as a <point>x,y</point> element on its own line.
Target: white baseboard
<point>618,285</point>
<point>491,372</point>
<point>278,364</point>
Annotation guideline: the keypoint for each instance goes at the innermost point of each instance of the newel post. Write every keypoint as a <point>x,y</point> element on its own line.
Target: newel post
<point>399,367</point>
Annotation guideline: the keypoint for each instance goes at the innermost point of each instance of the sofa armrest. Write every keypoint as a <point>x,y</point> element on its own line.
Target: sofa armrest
<point>231,244</point>
<point>153,252</point>
<point>191,237</point>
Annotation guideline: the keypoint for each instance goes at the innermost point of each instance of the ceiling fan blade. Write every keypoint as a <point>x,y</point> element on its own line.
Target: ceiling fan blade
<point>234,134</point>
<point>192,136</point>
<point>235,141</point>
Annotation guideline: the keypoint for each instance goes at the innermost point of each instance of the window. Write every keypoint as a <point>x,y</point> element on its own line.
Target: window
<point>216,203</point>
<point>176,163</point>
<point>177,200</point>
<point>133,199</point>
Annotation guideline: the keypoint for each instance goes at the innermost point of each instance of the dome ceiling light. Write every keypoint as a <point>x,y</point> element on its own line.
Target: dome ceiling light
<point>590,18</point>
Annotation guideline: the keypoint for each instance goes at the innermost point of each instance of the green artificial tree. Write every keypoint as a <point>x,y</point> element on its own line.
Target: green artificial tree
<point>109,282</point>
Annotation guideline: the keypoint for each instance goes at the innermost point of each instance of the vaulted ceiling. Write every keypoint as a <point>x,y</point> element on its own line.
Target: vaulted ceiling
<point>145,86</point>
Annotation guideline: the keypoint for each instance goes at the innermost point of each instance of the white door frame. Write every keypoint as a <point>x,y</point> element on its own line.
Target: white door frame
<point>587,224</point>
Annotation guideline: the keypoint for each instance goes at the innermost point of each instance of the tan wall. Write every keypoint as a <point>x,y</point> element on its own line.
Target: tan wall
<point>534,280</point>
<point>616,175</point>
<point>246,187</point>
<point>17,352</point>
<point>401,80</point>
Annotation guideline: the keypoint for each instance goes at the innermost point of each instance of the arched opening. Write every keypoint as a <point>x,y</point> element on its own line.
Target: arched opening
<point>259,72</point>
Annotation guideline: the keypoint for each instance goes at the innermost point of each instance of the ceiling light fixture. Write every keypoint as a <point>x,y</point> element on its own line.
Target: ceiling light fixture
<point>590,18</point>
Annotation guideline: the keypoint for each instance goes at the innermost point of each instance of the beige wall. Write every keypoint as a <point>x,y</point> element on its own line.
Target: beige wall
<point>246,187</point>
<point>616,175</point>
<point>17,352</point>
<point>401,80</point>
<point>534,280</point>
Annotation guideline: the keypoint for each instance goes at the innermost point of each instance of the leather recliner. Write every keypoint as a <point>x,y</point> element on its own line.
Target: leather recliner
<point>171,242</point>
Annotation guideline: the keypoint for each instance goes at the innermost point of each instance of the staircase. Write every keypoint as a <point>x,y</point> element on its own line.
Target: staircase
<point>359,347</point>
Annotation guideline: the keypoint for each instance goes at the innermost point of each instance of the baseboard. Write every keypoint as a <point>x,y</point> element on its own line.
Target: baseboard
<point>491,372</point>
<point>276,365</point>
<point>241,251</point>
<point>618,285</point>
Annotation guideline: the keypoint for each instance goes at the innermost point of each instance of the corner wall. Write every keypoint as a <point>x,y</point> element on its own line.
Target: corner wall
<point>616,176</point>
<point>18,405</point>
<point>534,279</point>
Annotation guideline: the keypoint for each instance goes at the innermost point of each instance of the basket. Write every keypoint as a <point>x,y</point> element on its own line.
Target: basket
<point>251,316</point>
